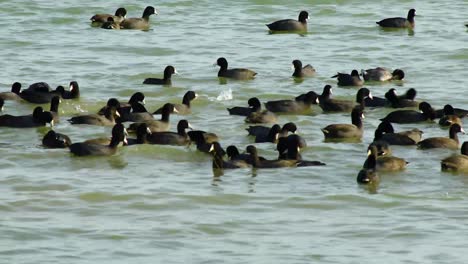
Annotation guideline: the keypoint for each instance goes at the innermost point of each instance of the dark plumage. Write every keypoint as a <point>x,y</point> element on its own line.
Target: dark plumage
<point>138,114</point>
<point>291,24</point>
<point>458,112</point>
<point>288,149</point>
<point>262,131</point>
<point>411,116</point>
<point>299,105</point>
<point>200,140</point>
<point>443,142</point>
<point>139,23</point>
<point>108,119</point>
<point>257,163</point>
<point>119,135</point>
<point>401,101</point>
<point>118,17</point>
<point>110,24</point>
<point>369,174</point>
<point>54,105</point>
<point>13,94</point>
<point>39,94</point>
<point>74,91</point>
<point>237,73</point>
<point>385,132</point>
<point>301,72</point>
<point>55,140</point>
<point>384,163</point>
<point>264,116</point>
<point>142,133</point>
<point>179,138</point>
<point>219,163</point>
<point>449,117</point>
<point>2,103</point>
<point>166,80</point>
<point>346,131</point>
<point>380,74</point>
<point>271,137</point>
<point>399,22</point>
<point>39,87</point>
<point>334,105</point>
<point>206,136</point>
<point>352,79</point>
<point>456,162</point>
<point>158,125</point>
<point>254,106</point>
<point>37,119</point>
<point>184,108</point>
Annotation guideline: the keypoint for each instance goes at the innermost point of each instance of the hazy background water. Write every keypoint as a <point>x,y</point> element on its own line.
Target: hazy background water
<point>161,204</point>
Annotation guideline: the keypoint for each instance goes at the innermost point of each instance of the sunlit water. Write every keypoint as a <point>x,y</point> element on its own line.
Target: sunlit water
<point>160,204</point>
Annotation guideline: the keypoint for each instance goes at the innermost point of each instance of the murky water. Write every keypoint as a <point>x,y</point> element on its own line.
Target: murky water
<point>161,204</point>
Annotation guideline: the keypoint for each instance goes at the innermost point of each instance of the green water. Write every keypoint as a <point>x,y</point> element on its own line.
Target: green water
<point>161,204</point>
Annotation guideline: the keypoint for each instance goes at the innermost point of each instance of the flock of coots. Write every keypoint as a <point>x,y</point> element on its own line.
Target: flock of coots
<point>149,130</point>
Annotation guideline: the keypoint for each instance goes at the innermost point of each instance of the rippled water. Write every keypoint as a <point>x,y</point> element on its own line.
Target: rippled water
<point>162,204</point>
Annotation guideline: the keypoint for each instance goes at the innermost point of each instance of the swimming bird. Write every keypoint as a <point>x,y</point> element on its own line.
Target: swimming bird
<point>38,118</point>
<point>262,131</point>
<point>401,101</point>
<point>384,162</point>
<point>119,135</point>
<point>264,116</point>
<point>399,22</point>
<point>110,24</point>
<point>179,138</point>
<point>299,105</point>
<point>458,112</point>
<point>449,117</point>
<point>272,136</point>
<point>166,80</point>
<point>73,93</point>
<point>293,25</point>
<point>108,119</point>
<point>254,106</point>
<point>386,133</point>
<point>219,163</point>
<point>456,162</point>
<point>346,131</point>
<point>352,79</point>
<point>443,142</point>
<point>369,174</point>
<point>288,149</point>
<point>184,107</point>
<point>13,94</point>
<point>301,72</point>
<point>142,133</point>
<point>55,140</point>
<point>333,105</point>
<point>39,94</point>
<point>258,163</point>
<point>380,74</point>
<point>139,23</point>
<point>411,116</point>
<point>237,73</point>
<point>158,125</point>
<point>118,17</point>
<point>54,104</point>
